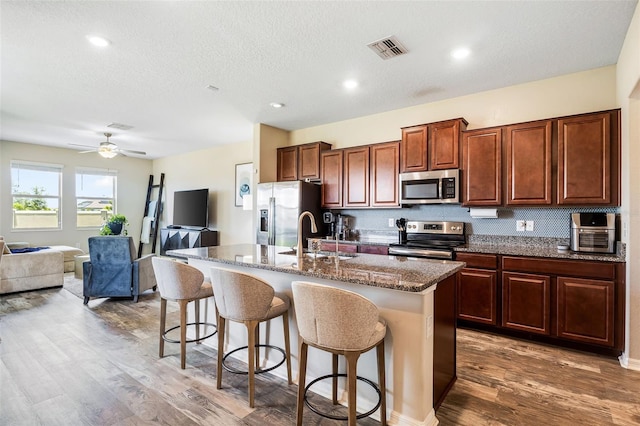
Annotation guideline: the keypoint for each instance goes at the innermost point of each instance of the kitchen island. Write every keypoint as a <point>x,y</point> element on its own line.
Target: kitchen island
<point>415,296</point>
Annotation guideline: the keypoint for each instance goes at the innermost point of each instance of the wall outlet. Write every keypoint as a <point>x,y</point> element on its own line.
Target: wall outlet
<point>521,225</point>
<point>529,225</point>
<point>392,222</point>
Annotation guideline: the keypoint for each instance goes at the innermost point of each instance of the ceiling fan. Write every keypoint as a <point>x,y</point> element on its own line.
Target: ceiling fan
<point>108,149</point>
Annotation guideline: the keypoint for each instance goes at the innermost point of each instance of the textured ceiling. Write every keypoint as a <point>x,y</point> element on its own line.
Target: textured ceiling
<point>57,89</point>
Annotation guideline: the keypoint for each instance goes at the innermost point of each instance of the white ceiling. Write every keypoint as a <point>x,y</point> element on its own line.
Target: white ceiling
<point>57,89</point>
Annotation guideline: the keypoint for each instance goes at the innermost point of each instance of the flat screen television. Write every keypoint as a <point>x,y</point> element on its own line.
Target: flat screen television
<point>191,208</point>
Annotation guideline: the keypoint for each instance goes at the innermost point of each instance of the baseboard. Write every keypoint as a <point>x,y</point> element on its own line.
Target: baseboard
<point>629,363</point>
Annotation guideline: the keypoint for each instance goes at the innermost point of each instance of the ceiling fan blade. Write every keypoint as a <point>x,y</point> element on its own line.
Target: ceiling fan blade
<point>85,152</point>
<point>84,146</point>
<point>132,152</point>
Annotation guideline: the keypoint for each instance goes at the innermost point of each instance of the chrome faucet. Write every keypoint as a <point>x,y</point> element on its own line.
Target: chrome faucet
<point>314,229</point>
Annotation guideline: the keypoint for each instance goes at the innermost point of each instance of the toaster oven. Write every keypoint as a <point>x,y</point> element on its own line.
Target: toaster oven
<point>593,232</point>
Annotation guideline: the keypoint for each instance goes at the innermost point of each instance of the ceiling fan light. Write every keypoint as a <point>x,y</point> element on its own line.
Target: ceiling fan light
<point>107,152</point>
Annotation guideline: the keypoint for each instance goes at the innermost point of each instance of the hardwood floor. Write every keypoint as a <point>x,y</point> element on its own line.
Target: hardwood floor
<point>68,364</point>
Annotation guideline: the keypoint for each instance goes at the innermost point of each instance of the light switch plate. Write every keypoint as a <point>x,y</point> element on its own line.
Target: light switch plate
<point>529,225</point>
<point>521,225</point>
<point>392,223</point>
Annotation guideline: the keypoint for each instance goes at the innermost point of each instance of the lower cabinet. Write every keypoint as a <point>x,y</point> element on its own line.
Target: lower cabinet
<point>573,302</point>
<point>526,301</point>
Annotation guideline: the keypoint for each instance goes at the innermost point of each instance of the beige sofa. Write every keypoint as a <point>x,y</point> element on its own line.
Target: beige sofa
<point>69,253</point>
<point>31,271</point>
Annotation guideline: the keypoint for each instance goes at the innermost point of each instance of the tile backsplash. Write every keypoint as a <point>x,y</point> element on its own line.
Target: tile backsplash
<point>547,222</point>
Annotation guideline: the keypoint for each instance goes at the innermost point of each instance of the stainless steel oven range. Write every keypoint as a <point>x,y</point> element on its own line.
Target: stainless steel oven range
<point>434,240</point>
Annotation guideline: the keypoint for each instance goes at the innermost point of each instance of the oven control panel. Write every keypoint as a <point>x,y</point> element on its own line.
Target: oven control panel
<point>420,227</point>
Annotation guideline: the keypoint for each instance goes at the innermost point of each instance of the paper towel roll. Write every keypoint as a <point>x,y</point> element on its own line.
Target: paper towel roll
<point>483,213</point>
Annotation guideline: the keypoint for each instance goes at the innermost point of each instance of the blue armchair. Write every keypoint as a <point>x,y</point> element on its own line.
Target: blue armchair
<point>114,271</point>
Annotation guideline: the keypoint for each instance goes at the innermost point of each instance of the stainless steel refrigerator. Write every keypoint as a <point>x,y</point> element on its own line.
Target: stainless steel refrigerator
<point>279,205</point>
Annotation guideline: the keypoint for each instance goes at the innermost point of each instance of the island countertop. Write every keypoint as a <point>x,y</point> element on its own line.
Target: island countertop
<point>393,272</point>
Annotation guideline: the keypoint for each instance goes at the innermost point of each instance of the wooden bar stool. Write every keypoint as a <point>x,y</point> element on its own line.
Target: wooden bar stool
<point>343,323</point>
<point>247,299</point>
<point>181,283</point>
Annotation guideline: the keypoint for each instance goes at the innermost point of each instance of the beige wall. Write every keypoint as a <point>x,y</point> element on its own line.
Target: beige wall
<point>266,141</point>
<point>133,176</point>
<point>212,168</point>
<point>587,91</point>
<point>628,92</point>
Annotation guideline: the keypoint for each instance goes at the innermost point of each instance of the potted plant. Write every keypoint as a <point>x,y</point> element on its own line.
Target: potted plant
<point>115,225</point>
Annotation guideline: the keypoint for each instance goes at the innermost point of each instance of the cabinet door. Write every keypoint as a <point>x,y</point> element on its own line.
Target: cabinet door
<point>356,177</point>
<point>331,177</point>
<point>309,160</point>
<point>586,310</point>
<point>584,167</point>
<point>343,248</point>
<point>413,156</point>
<point>526,302</point>
<point>371,249</point>
<point>529,163</point>
<point>477,295</point>
<point>287,163</point>
<point>384,174</point>
<point>482,173</point>
<point>444,140</point>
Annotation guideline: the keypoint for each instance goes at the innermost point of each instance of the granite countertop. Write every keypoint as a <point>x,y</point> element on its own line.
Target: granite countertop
<point>534,247</point>
<point>393,272</point>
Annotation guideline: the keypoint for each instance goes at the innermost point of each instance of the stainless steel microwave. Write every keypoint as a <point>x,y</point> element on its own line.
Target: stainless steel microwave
<point>432,187</point>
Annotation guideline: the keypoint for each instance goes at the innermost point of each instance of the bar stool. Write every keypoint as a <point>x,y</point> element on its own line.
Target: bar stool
<point>181,283</point>
<point>247,299</point>
<point>343,323</point>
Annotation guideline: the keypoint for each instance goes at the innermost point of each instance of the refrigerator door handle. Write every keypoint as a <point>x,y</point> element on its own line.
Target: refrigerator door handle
<point>271,233</point>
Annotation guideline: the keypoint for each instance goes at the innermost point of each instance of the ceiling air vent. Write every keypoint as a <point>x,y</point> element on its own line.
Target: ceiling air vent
<point>388,47</point>
<point>120,126</point>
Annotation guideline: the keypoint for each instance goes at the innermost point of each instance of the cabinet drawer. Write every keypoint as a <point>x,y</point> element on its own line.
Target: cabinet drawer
<point>603,270</point>
<point>476,260</point>
<point>373,249</point>
<point>345,248</point>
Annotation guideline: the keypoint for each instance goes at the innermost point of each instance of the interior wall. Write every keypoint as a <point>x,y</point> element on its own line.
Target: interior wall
<point>267,140</point>
<point>212,168</point>
<point>133,177</point>
<point>628,93</point>
<point>569,94</point>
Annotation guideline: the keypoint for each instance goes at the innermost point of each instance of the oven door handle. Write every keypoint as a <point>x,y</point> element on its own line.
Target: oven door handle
<point>438,254</point>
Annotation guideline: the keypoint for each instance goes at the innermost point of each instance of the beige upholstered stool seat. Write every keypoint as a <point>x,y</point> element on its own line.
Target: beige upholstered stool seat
<point>247,299</point>
<point>181,283</point>
<point>343,323</point>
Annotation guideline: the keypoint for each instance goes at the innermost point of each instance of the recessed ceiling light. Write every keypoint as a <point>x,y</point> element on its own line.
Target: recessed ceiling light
<point>276,104</point>
<point>461,53</point>
<point>350,84</point>
<point>98,41</point>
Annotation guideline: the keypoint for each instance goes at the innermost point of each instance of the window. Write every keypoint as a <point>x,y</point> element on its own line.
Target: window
<point>95,196</point>
<point>36,189</point>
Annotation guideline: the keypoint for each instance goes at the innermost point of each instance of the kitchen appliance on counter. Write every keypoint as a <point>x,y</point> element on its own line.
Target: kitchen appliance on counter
<point>433,240</point>
<point>278,206</point>
<point>593,232</point>
<point>432,187</point>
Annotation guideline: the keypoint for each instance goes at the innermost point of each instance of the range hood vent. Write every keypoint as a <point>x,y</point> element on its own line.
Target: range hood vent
<point>388,47</point>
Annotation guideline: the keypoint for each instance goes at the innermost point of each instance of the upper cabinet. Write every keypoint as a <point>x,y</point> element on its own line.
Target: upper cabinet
<point>568,161</point>
<point>300,162</point>
<point>588,159</point>
<point>482,167</point>
<point>432,146</point>
<point>364,176</point>
<point>528,147</point>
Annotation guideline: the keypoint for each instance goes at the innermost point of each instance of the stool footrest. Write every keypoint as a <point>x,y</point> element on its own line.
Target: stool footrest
<point>166,339</point>
<point>336,417</point>
<point>258,370</point>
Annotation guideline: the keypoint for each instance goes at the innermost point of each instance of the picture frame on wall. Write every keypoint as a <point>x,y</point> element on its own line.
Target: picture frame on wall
<point>244,182</point>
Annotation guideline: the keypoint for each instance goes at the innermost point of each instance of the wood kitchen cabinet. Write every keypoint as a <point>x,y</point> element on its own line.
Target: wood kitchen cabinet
<point>300,162</point>
<point>477,288</point>
<point>356,177</point>
<point>413,156</point>
<point>586,310</point>
<point>384,174</point>
<point>432,146</point>
<point>526,302</point>
<point>444,142</point>
<point>588,159</point>
<point>331,176</point>
<point>529,176</point>
<point>482,167</point>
